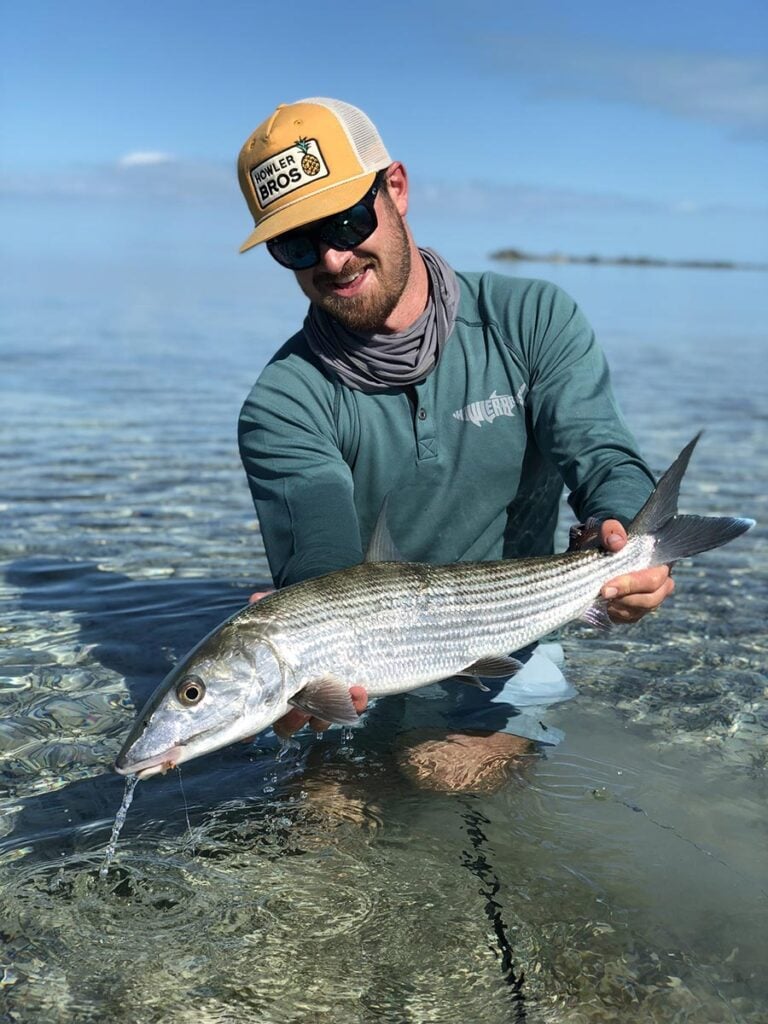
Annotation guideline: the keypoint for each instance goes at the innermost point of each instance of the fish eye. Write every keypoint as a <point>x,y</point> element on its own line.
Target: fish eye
<point>190,690</point>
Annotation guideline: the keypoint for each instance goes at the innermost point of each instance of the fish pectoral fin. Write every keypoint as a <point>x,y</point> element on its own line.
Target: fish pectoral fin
<point>597,615</point>
<point>495,667</point>
<point>327,698</point>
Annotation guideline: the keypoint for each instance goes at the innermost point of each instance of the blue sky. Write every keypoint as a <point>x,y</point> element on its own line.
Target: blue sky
<point>592,127</point>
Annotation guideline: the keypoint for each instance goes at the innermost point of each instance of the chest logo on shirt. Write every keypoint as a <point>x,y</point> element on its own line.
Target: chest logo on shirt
<point>490,408</point>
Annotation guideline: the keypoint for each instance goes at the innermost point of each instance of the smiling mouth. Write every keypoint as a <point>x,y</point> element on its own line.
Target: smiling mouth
<point>345,284</point>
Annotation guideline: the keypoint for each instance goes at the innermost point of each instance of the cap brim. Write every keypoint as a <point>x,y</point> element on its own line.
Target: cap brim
<point>313,207</point>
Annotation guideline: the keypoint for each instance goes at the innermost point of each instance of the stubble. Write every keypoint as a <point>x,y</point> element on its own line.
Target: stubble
<point>367,313</point>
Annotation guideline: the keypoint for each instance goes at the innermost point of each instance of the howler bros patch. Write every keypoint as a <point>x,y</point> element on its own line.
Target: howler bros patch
<point>288,170</point>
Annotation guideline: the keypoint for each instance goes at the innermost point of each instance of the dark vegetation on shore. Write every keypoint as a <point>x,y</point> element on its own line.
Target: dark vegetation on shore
<point>519,256</point>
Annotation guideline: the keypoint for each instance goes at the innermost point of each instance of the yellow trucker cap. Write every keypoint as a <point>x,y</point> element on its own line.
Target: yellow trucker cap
<point>308,160</point>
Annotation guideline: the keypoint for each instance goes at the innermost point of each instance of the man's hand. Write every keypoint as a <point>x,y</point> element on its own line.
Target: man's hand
<point>635,594</point>
<point>258,596</point>
<point>294,720</point>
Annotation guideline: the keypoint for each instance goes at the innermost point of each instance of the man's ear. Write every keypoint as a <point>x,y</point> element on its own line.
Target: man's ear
<point>397,186</point>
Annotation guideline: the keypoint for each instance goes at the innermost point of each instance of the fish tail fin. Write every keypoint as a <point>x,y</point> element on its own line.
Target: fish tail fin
<point>681,536</point>
<point>662,504</point>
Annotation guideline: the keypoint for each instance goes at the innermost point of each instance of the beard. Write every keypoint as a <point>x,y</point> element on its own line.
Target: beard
<point>366,314</point>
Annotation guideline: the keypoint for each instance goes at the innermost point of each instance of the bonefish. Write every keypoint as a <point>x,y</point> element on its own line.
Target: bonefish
<point>392,626</point>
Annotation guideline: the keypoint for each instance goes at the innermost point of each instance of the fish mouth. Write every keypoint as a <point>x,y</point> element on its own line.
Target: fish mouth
<point>160,763</point>
<point>157,765</point>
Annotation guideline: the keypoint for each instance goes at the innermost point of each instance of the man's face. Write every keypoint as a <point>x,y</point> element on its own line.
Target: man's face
<point>361,287</point>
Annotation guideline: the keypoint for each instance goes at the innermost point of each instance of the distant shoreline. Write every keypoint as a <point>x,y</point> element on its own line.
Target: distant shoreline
<point>520,256</point>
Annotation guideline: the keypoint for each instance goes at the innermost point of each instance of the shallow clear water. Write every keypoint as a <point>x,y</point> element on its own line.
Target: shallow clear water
<point>620,877</point>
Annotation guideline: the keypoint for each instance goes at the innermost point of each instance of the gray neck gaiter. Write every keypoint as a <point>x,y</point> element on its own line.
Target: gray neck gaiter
<point>377,362</point>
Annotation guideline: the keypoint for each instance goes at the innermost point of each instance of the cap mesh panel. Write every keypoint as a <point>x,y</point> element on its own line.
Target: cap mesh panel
<point>360,130</point>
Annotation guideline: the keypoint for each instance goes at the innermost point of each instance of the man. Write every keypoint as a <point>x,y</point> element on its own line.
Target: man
<point>466,399</point>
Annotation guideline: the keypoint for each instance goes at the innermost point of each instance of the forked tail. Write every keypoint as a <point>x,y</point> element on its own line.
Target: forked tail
<point>680,536</point>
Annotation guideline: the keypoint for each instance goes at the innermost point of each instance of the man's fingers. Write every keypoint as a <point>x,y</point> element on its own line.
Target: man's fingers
<point>613,536</point>
<point>290,723</point>
<point>296,719</point>
<point>359,697</point>
<point>636,605</point>
<point>319,724</point>
<point>644,599</point>
<point>646,582</point>
<point>258,596</point>
<point>634,594</point>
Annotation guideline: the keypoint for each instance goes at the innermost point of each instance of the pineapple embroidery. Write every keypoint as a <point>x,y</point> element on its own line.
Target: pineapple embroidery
<point>309,163</point>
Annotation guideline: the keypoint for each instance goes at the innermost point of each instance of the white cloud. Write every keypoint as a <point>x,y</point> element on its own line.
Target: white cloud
<point>183,181</point>
<point>135,175</point>
<point>720,89</point>
<point>686,206</point>
<point>508,202</point>
<point>144,158</point>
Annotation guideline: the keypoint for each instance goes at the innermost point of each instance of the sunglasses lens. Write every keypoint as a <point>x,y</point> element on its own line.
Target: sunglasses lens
<point>298,250</point>
<point>295,251</point>
<point>349,228</point>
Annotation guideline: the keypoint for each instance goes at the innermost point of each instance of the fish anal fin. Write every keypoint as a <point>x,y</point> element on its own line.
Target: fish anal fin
<point>473,681</point>
<point>597,615</point>
<point>328,698</point>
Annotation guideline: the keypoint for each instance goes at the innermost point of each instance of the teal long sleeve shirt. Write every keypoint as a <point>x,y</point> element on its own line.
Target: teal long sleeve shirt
<point>474,458</point>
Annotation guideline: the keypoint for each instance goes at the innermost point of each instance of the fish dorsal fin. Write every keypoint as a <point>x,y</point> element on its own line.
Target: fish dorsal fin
<point>662,504</point>
<point>381,547</point>
<point>327,698</point>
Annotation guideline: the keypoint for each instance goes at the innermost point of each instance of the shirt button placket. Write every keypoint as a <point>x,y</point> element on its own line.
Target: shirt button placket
<point>426,442</point>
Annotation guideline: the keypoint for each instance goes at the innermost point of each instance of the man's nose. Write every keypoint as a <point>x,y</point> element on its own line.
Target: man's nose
<point>333,260</point>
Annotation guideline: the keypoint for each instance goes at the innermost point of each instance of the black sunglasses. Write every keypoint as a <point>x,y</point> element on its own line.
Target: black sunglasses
<point>300,249</point>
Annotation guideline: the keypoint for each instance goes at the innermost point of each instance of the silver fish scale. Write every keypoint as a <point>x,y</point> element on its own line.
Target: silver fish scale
<point>394,626</point>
